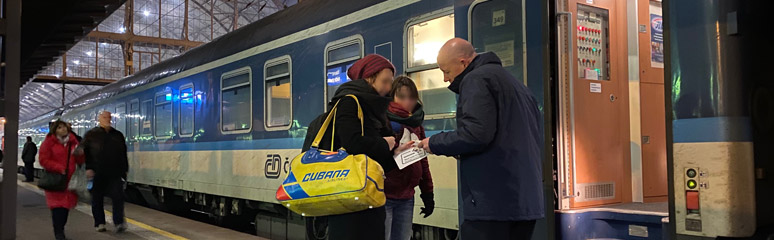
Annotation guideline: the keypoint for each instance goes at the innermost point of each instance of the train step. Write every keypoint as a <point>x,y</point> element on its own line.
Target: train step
<point>623,221</point>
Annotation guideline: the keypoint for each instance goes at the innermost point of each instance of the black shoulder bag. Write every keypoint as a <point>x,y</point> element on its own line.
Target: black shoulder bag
<point>55,181</point>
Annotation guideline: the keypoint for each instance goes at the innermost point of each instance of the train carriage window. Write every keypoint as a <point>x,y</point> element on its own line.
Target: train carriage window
<point>277,90</point>
<point>424,37</point>
<point>163,115</point>
<point>119,119</point>
<point>339,56</point>
<point>236,101</point>
<point>186,110</point>
<point>134,120</point>
<point>146,128</point>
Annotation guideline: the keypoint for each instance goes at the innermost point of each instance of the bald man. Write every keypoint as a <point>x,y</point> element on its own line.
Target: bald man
<point>107,164</point>
<point>498,143</point>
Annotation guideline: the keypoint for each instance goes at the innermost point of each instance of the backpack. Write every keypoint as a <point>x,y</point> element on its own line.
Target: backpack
<point>312,130</point>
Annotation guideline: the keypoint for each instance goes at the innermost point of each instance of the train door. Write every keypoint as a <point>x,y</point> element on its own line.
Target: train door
<point>651,74</point>
<point>594,162</point>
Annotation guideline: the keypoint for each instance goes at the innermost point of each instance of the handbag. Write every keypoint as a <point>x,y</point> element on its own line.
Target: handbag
<point>55,181</point>
<point>79,183</point>
<point>322,182</point>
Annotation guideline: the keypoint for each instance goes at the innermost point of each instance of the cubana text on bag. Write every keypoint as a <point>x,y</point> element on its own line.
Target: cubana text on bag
<point>335,175</point>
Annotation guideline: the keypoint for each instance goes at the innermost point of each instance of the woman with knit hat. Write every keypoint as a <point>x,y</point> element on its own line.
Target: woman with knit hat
<point>372,81</point>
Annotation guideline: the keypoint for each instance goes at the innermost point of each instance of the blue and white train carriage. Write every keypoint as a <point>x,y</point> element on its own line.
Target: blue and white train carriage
<point>217,126</point>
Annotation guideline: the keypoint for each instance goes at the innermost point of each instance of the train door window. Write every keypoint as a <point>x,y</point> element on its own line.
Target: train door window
<point>424,37</point>
<point>186,110</point>
<point>146,128</point>
<point>277,89</point>
<point>339,57</point>
<point>163,115</point>
<point>134,120</point>
<point>498,27</point>
<point>236,101</point>
<point>120,118</point>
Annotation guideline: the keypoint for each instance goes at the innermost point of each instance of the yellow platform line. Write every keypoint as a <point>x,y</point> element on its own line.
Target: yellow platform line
<point>37,189</point>
<point>149,227</point>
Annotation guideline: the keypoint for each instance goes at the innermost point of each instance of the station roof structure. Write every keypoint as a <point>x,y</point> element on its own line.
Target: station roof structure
<point>72,47</point>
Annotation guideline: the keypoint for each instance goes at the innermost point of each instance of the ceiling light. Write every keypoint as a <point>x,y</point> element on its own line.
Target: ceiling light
<point>146,13</point>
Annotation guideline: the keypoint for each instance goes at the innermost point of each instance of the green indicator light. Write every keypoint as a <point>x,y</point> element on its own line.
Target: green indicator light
<point>691,184</point>
<point>691,173</point>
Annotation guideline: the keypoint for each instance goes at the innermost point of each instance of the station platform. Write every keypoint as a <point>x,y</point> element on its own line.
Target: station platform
<point>33,221</point>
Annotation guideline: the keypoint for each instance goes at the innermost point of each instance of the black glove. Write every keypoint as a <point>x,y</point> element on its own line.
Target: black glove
<point>427,198</point>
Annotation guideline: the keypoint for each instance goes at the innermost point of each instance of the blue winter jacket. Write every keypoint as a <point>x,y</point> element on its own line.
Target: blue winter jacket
<point>498,141</point>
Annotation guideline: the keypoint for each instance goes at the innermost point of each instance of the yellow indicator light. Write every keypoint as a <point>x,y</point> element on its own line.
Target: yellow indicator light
<point>691,184</point>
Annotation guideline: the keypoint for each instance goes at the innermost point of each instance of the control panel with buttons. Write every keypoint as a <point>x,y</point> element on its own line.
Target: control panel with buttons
<point>593,43</point>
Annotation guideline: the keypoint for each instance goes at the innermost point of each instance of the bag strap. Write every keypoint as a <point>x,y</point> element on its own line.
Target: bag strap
<point>332,116</point>
<point>67,163</point>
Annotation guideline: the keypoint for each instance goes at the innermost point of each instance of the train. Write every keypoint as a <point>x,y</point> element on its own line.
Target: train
<point>214,129</point>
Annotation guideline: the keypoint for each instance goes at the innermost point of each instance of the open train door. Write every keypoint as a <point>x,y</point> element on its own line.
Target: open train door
<point>593,105</point>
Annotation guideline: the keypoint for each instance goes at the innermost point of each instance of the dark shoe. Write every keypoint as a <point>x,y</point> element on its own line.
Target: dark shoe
<point>60,237</point>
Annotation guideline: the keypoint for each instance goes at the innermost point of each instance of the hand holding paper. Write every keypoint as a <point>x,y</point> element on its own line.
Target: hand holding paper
<point>409,155</point>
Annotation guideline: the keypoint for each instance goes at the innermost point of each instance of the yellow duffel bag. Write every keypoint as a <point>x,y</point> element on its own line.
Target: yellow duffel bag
<point>322,182</point>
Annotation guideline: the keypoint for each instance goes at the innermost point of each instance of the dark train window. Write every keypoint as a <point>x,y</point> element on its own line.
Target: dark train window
<point>146,125</point>
<point>339,56</point>
<point>277,91</point>
<point>134,120</point>
<point>498,27</point>
<point>163,115</point>
<point>424,37</point>
<point>187,110</point>
<point>236,101</point>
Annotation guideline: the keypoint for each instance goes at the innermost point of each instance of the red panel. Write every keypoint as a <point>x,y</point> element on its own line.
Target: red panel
<point>692,200</point>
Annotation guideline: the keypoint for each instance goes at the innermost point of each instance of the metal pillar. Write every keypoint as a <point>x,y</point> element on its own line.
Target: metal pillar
<point>12,41</point>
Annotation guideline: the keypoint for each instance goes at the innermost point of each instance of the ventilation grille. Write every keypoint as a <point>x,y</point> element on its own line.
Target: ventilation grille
<point>595,191</point>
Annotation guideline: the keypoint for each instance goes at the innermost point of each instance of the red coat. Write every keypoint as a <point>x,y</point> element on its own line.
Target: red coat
<point>53,156</point>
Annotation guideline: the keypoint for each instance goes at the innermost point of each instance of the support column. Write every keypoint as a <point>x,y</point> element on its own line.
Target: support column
<point>12,41</point>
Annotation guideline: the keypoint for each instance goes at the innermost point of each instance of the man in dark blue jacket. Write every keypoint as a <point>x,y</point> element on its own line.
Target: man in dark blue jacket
<point>498,143</point>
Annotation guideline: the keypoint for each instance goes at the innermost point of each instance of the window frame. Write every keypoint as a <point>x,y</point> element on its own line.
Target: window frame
<point>180,112</point>
<point>337,44</point>
<point>271,63</point>
<point>444,12</point>
<point>414,21</point>
<point>155,114</point>
<point>232,73</point>
<point>140,126</point>
<point>133,136</point>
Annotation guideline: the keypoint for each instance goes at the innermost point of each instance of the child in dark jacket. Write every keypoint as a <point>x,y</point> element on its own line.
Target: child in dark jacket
<point>405,113</point>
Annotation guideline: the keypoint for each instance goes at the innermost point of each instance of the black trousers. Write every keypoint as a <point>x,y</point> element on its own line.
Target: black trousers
<point>29,171</point>
<point>367,224</point>
<point>495,230</point>
<point>59,217</point>
<point>113,188</point>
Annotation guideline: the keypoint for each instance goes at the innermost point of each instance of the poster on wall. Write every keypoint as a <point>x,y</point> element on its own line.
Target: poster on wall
<point>656,41</point>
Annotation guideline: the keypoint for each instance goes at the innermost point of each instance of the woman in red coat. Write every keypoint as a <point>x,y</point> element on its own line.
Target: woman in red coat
<point>54,158</point>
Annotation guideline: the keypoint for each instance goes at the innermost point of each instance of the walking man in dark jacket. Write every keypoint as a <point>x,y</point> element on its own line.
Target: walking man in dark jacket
<point>107,165</point>
<point>28,157</point>
<point>497,142</point>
